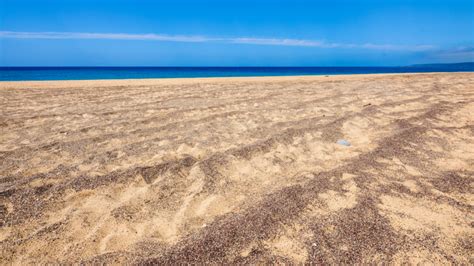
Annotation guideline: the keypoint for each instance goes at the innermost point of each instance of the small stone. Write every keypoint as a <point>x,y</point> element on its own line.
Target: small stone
<point>343,142</point>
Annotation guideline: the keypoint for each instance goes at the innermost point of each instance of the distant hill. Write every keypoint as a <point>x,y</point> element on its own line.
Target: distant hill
<point>468,66</point>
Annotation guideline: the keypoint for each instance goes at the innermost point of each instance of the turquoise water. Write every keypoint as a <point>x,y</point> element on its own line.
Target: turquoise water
<point>83,73</point>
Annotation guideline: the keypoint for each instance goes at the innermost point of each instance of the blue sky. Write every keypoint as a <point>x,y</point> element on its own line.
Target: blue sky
<point>234,33</point>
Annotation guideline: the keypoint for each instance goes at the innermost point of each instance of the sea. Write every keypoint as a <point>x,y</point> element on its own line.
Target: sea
<point>85,73</point>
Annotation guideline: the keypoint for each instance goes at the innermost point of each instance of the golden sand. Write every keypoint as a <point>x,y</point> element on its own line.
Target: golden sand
<point>238,170</point>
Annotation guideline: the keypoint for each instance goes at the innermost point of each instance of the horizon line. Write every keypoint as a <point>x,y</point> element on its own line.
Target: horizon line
<point>281,66</point>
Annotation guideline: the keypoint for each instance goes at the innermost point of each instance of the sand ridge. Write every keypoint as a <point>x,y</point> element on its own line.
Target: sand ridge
<point>238,170</point>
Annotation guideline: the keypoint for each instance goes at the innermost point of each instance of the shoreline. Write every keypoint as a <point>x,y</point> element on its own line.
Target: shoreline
<point>188,80</point>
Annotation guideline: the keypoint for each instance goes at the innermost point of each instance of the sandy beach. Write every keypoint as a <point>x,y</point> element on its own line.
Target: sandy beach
<point>238,170</point>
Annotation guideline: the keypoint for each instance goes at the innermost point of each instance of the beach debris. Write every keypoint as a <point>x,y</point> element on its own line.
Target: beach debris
<point>343,142</point>
<point>365,105</point>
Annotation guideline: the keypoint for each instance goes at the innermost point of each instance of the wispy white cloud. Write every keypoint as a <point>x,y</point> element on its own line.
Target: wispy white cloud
<point>194,38</point>
<point>414,48</point>
<point>453,54</point>
<point>321,44</point>
<point>273,41</point>
<point>107,36</point>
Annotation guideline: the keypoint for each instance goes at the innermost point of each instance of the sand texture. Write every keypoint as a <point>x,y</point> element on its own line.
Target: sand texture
<point>238,170</point>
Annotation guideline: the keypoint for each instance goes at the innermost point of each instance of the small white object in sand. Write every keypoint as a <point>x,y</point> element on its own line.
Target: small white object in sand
<point>343,142</point>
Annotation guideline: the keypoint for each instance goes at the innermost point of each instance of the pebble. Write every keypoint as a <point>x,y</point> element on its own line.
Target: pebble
<point>343,142</point>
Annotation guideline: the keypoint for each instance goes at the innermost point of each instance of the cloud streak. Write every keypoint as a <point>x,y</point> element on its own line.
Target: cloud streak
<point>454,54</point>
<point>205,39</point>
